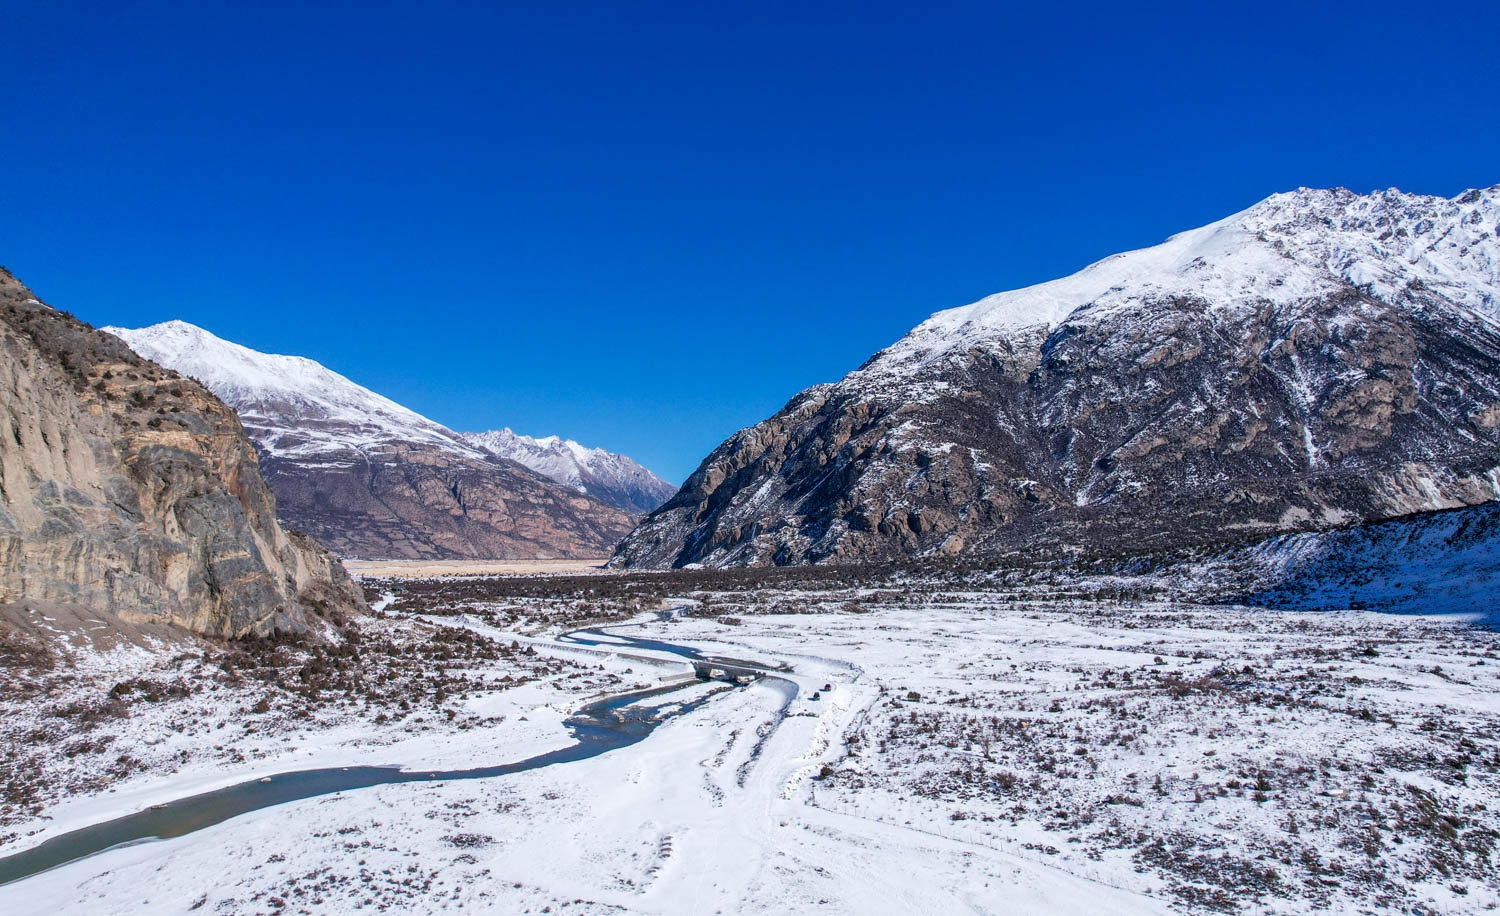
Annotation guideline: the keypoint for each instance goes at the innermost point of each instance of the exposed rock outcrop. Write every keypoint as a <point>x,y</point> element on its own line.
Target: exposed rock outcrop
<point>418,501</point>
<point>128,489</point>
<point>1321,359</point>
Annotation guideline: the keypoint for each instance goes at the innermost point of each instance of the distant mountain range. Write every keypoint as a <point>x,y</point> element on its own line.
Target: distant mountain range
<point>1319,360</point>
<point>606,476</point>
<point>370,478</point>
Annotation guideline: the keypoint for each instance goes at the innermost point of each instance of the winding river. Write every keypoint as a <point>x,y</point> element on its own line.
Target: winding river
<point>599,727</point>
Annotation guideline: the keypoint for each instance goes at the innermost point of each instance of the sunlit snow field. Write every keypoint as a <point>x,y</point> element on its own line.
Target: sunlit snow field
<point>946,752</point>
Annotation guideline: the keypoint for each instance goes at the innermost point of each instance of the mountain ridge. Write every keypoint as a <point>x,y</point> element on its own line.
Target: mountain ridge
<point>373,479</point>
<point>1319,358</point>
<point>607,476</point>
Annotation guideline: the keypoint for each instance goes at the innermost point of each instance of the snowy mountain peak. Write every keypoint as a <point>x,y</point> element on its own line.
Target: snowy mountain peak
<point>298,409</point>
<point>1290,247</point>
<point>606,476</point>
<point>371,478</point>
<point>272,391</point>
<point>575,457</point>
<point>1321,358</point>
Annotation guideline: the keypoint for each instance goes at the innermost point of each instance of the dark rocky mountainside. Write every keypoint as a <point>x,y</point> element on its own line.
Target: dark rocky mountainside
<point>371,479</point>
<point>130,491</point>
<point>1321,359</point>
<point>419,501</point>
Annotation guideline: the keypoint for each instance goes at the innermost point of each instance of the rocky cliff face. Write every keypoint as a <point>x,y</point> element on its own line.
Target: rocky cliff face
<point>126,488</point>
<point>369,478</point>
<point>613,479</point>
<point>1321,359</point>
<point>413,501</point>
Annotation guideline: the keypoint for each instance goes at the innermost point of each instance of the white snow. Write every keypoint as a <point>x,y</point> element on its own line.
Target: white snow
<point>1286,248</point>
<point>971,753</point>
<point>589,470</point>
<point>563,460</point>
<point>292,406</point>
<point>298,409</point>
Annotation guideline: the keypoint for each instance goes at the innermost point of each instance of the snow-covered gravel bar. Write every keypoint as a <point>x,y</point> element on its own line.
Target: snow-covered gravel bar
<point>929,752</point>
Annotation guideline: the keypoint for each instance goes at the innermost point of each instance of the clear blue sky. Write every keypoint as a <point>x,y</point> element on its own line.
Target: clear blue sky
<point>646,225</point>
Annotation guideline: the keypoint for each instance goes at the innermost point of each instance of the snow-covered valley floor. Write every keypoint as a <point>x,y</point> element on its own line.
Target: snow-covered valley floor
<point>945,752</point>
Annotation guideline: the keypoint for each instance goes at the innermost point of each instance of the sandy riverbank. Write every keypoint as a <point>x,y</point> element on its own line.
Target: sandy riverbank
<point>421,569</point>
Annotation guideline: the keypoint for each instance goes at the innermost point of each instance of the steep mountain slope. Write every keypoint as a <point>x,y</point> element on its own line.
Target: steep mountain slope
<point>1433,562</point>
<point>606,476</point>
<point>1319,359</point>
<point>1444,562</point>
<point>369,477</point>
<point>127,490</point>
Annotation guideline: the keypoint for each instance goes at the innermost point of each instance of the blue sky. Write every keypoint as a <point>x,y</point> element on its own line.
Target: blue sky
<point>646,225</point>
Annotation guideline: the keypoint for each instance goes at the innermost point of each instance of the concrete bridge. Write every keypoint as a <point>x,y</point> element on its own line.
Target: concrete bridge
<point>720,670</point>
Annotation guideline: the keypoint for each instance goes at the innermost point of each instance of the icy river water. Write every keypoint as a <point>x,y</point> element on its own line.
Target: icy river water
<point>599,727</point>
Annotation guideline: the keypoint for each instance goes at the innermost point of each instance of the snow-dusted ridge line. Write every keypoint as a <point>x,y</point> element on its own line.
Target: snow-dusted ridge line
<point>1289,247</point>
<point>298,408</point>
<point>267,388</point>
<point>561,459</point>
<point>371,478</point>
<point>613,478</point>
<point>1319,358</point>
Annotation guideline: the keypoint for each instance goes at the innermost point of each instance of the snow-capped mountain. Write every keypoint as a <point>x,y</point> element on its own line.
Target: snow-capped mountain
<point>606,476</point>
<point>1319,359</point>
<point>296,407</point>
<point>1288,249</point>
<point>371,478</point>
